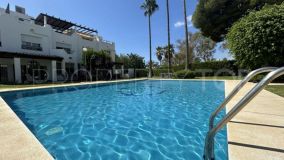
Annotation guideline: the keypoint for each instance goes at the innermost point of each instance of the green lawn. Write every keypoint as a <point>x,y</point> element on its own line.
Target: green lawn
<point>277,89</point>
<point>15,86</point>
<point>222,78</point>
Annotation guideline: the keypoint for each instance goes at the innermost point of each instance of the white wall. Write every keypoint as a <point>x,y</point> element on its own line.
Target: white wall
<point>12,28</point>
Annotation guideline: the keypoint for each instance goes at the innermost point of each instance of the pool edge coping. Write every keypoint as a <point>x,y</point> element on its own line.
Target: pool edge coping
<point>40,145</point>
<point>18,124</point>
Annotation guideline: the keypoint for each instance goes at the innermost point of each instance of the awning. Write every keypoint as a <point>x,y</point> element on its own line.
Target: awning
<point>25,55</point>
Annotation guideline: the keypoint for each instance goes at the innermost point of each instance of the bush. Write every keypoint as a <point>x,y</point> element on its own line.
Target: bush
<point>141,73</point>
<point>257,39</point>
<point>213,66</point>
<point>229,68</point>
<point>184,74</point>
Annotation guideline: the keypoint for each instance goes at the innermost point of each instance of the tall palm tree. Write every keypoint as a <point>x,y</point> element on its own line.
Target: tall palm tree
<point>169,35</point>
<point>149,7</point>
<point>187,66</point>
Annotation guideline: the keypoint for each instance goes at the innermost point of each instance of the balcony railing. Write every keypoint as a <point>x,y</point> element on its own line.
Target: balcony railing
<point>31,48</point>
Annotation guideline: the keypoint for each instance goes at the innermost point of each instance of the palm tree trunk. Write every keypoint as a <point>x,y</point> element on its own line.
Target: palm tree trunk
<point>187,66</point>
<point>150,46</point>
<point>169,37</point>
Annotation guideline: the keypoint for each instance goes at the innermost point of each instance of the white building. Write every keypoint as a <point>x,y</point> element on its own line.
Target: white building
<point>44,42</point>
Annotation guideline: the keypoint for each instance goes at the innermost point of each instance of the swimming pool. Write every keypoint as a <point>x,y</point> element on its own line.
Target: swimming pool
<point>136,120</point>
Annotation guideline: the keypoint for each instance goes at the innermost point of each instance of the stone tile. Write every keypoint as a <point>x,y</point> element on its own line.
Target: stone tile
<point>257,132</point>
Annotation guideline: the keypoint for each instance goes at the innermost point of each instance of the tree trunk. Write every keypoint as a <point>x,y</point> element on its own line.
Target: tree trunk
<point>169,37</point>
<point>150,46</point>
<point>187,65</point>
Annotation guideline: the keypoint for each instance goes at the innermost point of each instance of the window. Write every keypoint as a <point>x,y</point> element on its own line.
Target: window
<point>67,50</point>
<point>59,68</point>
<point>31,42</point>
<point>3,73</point>
<point>31,46</point>
<point>64,46</point>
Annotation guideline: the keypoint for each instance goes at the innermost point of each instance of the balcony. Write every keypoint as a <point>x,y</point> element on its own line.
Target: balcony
<point>34,48</point>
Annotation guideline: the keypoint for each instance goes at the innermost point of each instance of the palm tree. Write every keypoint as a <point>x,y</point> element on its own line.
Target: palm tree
<point>160,54</point>
<point>169,35</point>
<point>149,7</point>
<point>187,66</point>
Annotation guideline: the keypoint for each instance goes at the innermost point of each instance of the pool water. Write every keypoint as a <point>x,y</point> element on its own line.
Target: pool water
<point>137,121</point>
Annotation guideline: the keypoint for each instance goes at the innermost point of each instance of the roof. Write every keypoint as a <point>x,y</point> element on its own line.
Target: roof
<point>25,55</point>
<point>63,25</point>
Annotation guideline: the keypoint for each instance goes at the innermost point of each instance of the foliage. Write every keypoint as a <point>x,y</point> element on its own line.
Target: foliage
<point>141,73</point>
<point>217,68</point>
<point>149,7</point>
<point>131,61</point>
<point>201,49</point>
<point>184,74</point>
<point>257,39</point>
<point>215,17</point>
<point>89,55</point>
<point>204,47</point>
<point>210,68</point>
<point>163,55</point>
<point>180,57</point>
<point>160,53</point>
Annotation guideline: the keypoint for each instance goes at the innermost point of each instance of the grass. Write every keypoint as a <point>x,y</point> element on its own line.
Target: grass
<point>15,86</point>
<point>276,89</point>
<point>222,78</point>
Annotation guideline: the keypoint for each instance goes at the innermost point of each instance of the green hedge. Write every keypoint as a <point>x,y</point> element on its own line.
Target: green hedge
<point>141,73</point>
<point>213,68</point>
<point>257,39</point>
<point>184,74</point>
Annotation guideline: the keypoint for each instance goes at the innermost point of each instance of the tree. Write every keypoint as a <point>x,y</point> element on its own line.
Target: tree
<point>169,35</point>
<point>149,7</point>
<point>169,52</point>
<point>160,53</point>
<point>204,47</point>
<point>257,39</point>
<point>102,56</point>
<point>215,17</point>
<point>187,49</point>
<point>185,53</point>
<point>131,60</point>
<point>200,48</point>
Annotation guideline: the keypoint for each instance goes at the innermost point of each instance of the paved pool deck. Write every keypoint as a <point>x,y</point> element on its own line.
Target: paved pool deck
<point>257,133</point>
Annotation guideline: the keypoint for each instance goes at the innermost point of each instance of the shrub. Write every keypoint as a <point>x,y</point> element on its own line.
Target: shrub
<point>216,68</point>
<point>141,73</point>
<point>257,40</point>
<point>184,74</point>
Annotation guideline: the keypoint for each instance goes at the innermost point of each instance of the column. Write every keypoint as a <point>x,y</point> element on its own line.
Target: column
<point>76,68</point>
<point>53,71</point>
<point>44,21</point>
<point>122,71</point>
<point>63,67</point>
<point>17,70</point>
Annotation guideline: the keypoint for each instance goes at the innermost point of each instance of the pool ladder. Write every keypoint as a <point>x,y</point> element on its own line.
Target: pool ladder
<point>209,141</point>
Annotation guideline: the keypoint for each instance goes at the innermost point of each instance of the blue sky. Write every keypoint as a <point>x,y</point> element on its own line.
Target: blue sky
<point>121,21</point>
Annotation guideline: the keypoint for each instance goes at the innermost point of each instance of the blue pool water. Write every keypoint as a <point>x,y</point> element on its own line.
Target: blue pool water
<point>143,120</point>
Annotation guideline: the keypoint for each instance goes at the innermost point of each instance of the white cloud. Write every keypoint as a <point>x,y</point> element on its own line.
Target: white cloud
<point>181,23</point>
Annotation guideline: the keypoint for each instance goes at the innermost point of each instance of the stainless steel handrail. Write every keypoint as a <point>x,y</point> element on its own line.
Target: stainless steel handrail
<point>236,90</point>
<point>209,141</point>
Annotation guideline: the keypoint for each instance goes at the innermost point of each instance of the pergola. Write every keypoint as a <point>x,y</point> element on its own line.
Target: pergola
<point>63,25</point>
